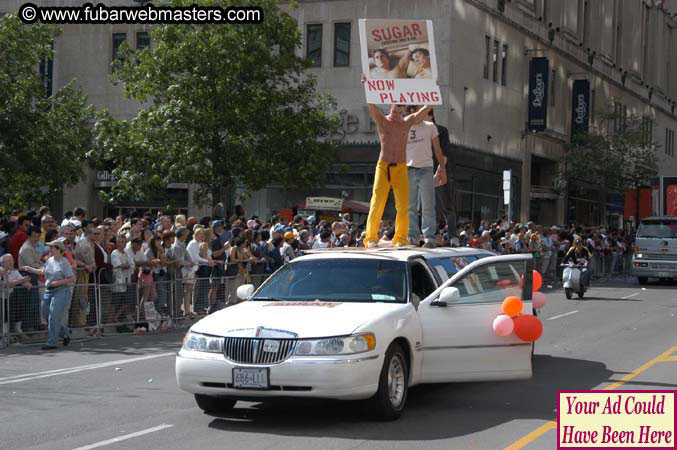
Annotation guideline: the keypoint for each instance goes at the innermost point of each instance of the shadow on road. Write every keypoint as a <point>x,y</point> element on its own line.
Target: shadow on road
<point>438,411</point>
<point>118,344</point>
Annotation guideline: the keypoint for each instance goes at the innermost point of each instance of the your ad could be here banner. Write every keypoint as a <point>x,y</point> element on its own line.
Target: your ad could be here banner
<point>398,60</point>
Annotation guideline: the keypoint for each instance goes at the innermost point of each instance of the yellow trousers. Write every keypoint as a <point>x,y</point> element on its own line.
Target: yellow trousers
<point>388,175</point>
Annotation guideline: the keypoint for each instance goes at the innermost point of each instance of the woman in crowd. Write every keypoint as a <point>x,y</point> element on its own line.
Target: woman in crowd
<point>199,253</point>
<point>14,289</point>
<point>156,253</point>
<point>147,274</point>
<point>186,270</point>
<point>238,259</point>
<point>124,298</point>
<point>58,274</point>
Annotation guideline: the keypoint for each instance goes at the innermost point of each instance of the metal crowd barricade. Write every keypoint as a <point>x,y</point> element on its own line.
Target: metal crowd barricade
<point>96,304</point>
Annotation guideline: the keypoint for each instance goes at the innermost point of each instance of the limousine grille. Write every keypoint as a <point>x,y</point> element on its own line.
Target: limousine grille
<point>258,350</point>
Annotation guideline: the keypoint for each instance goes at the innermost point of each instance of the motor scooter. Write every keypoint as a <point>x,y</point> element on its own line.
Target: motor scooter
<point>571,278</point>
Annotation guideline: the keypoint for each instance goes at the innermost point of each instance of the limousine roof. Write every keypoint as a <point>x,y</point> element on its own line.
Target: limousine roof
<point>392,253</point>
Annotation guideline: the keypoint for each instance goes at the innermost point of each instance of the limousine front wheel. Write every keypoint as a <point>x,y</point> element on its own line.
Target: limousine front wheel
<point>211,404</point>
<point>388,402</point>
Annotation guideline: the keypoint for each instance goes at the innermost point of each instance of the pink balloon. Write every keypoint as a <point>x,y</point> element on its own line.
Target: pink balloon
<point>503,325</point>
<point>538,299</point>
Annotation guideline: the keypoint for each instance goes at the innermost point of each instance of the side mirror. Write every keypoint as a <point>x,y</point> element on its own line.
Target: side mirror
<point>245,291</point>
<point>448,295</point>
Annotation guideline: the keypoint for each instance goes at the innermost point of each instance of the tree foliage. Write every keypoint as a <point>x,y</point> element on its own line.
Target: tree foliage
<point>617,154</point>
<point>225,105</point>
<point>43,139</point>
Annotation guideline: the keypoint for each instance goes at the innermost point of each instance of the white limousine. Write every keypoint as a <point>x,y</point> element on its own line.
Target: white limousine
<point>360,324</point>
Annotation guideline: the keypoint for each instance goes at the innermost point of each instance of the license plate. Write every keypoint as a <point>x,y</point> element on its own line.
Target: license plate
<point>250,378</point>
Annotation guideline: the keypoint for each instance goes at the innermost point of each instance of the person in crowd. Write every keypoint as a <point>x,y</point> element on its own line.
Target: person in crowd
<point>199,253</point>
<point>173,270</point>
<point>58,274</point>
<point>47,224</point>
<point>124,294</point>
<point>14,290</point>
<point>276,255</point>
<point>219,254</point>
<point>304,236</point>
<point>30,256</point>
<point>187,269</point>
<point>546,254</point>
<point>19,237</point>
<point>103,275</point>
<point>324,240</point>
<point>485,240</point>
<point>84,254</point>
<point>287,250</point>
<point>238,259</point>
<point>159,263</point>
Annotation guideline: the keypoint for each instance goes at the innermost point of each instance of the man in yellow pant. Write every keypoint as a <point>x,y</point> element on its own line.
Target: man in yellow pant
<point>391,171</point>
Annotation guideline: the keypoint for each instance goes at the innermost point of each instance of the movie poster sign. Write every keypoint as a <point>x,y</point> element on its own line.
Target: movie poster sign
<point>398,60</point>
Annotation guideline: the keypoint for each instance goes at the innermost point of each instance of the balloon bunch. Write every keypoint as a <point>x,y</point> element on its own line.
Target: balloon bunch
<point>525,326</point>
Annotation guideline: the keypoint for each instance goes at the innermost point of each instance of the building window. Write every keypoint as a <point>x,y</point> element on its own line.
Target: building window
<point>553,82</point>
<point>495,61</point>
<point>669,142</point>
<point>314,44</point>
<point>504,65</point>
<point>142,40</point>
<point>118,39</point>
<point>647,130</point>
<point>487,50</point>
<point>342,44</point>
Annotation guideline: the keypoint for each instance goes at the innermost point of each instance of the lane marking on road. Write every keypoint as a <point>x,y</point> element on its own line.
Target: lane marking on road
<point>630,296</point>
<point>669,359</point>
<point>562,315</point>
<point>124,437</point>
<point>552,424</point>
<point>68,370</point>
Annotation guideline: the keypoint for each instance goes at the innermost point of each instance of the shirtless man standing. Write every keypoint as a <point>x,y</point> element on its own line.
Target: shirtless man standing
<point>391,170</point>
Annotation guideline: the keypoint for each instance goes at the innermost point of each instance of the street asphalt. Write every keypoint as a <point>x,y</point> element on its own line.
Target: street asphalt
<point>120,392</point>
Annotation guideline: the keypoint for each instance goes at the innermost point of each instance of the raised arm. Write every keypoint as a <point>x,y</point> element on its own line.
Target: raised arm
<point>418,116</point>
<point>376,113</point>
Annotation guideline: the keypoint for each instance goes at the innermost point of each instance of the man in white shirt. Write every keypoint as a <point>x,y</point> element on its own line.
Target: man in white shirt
<point>422,140</point>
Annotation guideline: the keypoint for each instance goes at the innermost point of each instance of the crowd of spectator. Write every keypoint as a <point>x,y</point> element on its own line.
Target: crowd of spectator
<point>207,258</point>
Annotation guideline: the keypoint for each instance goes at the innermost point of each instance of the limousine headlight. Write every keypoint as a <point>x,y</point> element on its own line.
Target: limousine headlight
<point>640,256</point>
<point>202,343</point>
<point>348,345</point>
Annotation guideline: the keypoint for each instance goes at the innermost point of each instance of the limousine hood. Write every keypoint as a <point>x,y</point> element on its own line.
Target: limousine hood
<point>285,319</point>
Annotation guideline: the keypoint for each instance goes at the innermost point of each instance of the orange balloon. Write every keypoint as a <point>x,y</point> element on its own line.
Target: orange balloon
<point>528,328</point>
<point>537,281</point>
<point>512,306</point>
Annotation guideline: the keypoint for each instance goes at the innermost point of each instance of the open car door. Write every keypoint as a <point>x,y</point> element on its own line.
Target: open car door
<point>458,339</point>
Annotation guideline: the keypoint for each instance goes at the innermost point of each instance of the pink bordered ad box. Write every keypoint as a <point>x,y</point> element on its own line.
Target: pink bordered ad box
<point>616,419</point>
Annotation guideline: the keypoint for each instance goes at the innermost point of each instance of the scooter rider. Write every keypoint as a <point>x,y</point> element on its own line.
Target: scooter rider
<point>580,255</point>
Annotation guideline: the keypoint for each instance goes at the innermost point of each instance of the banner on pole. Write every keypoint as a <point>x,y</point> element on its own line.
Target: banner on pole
<point>580,107</point>
<point>538,94</point>
<point>398,60</point>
